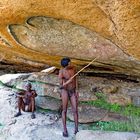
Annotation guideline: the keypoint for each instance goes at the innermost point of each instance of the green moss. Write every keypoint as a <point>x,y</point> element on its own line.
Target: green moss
<point>42,110</point>
<point>114,126</point>
<point>1,125</point>
<point>132,112</point>
<point>129,110</point>
<point>1,83</point>
<point>103,104</point>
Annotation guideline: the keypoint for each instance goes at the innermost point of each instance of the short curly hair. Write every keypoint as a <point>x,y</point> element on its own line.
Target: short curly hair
<point>28,84</point>
<point>65,61</point>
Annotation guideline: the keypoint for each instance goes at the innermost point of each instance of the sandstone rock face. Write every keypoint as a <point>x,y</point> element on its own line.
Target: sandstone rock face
<point>96,135</point>
<point>90,88</point>
<point>88,114</point>
<point>47,99</point>
<point>119,99</point>
<point>48,85</point>
<point>48,103</point>
<point>36,34</point>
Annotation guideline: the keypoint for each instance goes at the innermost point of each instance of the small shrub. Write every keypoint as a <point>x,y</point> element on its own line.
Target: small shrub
<point>132,112</point>
<point>114,126</point>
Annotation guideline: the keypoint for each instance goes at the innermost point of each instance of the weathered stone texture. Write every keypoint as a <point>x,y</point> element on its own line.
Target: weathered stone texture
<point>38,33</point>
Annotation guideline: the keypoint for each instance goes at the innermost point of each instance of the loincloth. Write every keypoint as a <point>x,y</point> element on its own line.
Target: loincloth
<point>70,92</point>
<point>27,101</point>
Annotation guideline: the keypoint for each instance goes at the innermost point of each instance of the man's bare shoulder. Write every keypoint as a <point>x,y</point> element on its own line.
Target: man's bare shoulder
<point>72,68</point>
<point>61,70</point>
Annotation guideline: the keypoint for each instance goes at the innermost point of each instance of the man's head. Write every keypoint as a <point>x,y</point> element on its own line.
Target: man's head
<point>28,86</point>
<point>65,61</point>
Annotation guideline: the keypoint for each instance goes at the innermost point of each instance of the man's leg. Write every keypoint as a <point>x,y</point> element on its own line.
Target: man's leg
<point>74,104</point>
<point>21,105</point>
<point>64,97</point>
<point>31,107</point>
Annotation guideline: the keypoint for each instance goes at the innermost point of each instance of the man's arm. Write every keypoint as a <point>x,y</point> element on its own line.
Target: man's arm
<point>20,94</point>
<point>76,83</point>
<point>60,76</point>
<point>34,94</point>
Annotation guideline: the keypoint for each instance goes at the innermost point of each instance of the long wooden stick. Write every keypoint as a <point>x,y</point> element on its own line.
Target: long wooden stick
<point>79,71</point>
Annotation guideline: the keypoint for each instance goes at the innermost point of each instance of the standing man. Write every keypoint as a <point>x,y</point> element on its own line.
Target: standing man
<point>68,91</point>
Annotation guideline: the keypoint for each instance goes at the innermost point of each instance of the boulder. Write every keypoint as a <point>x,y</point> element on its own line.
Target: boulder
<point>48,103</point>
<point>48,85</point>
<point>114,117</point>
<point>101,135</point>
<point>88,114</point>
<point>11,79</point>
<point>120,99</point>
<point>135,95</point>
<point>82,30</point>
<point>89,88</point>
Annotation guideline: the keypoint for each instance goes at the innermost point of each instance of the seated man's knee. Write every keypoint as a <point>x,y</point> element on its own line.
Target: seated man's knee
<point>20,98</point>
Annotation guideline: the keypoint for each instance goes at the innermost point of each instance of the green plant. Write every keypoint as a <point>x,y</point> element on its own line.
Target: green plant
<point>129,110</point>
<point>1,83</point>
<point>114,126</point>
<point>135,121</point>
<point>103,104</point>
<point>1,126</point>
<point>132,112</point>
<point>42,110</point>
<point>100,96</point>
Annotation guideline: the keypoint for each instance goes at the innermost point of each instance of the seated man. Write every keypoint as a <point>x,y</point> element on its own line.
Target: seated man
<point>26,99</point>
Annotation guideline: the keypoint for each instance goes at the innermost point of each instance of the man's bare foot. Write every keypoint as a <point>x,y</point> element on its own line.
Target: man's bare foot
<point>65,134</point>
<point>75,132</point>
<point>18,114</point>
<point>33,116</point>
